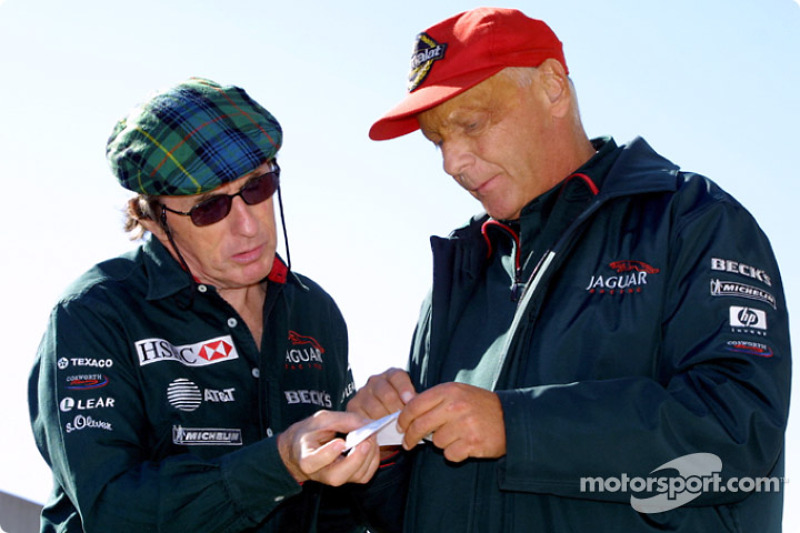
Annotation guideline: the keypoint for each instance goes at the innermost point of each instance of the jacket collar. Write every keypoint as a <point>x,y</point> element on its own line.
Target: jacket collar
<point>639,170</point>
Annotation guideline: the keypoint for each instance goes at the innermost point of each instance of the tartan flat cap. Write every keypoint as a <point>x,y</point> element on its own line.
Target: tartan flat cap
<point>191,139</point>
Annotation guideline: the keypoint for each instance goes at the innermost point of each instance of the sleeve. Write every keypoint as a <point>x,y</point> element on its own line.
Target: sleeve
<point>720,381</point>
<point>102,459</point>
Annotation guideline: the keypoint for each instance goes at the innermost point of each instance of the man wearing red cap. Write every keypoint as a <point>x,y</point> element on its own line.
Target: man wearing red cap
<point>606,348</point>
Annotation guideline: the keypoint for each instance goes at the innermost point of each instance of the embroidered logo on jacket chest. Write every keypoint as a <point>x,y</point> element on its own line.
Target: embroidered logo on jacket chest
<point>304,352</point>
<point>622,277</point>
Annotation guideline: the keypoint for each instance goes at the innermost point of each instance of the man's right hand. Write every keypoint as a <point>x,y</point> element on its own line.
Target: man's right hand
<point>312,450</point>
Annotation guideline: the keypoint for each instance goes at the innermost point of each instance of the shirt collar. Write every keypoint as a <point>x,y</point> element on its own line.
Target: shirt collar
<point>166,277</point>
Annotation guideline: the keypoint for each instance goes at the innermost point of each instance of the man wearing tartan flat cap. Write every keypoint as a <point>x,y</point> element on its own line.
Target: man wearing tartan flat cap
<point>606,348</point>
<point>164,397</point>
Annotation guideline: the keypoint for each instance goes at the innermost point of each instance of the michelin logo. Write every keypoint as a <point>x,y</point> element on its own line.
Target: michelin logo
<point>206,436</point>
<point>742,290</point>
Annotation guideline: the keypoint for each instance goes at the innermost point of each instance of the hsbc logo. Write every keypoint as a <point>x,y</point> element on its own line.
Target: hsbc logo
<point>199,354</point>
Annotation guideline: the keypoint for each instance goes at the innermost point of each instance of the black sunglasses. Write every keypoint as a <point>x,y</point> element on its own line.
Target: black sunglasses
<point>217,207</point>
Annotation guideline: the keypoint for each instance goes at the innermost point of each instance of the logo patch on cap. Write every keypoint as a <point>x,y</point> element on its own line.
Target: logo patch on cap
<point>426,51</point>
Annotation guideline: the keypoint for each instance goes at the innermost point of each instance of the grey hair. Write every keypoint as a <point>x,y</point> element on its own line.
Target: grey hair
<point>524,76</point>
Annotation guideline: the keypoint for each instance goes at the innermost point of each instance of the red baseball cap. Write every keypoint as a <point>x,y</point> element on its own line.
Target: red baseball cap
<point>462,51</point>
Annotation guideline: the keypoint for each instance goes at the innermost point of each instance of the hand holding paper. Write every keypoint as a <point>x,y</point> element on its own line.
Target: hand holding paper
<point>385,428</point>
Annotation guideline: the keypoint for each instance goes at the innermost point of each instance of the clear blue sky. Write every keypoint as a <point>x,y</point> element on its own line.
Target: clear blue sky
<point>711,84</point>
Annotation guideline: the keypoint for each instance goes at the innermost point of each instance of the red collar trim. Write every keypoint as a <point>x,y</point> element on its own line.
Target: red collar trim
<point>587,180</point>
<point>490,249</point>
<point>279,271</point>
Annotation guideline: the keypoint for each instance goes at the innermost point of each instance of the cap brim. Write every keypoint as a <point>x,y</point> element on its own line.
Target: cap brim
<point>402,118</point>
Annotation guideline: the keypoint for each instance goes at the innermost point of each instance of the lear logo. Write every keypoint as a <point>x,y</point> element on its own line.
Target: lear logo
<point>68,404</point>
<point>747,317</point>
<point>678,482</point>
<point>742,290</point>
<point>206,436</point>
<point>199,354</point>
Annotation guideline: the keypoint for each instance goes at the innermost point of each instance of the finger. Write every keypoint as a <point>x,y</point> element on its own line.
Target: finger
<point>367,404</point>
<point>421,404</point>
<point>370,462</point>
<point>401,382</point>
<point>383,394</point>
<point>390,388</point>
<point>332,422</point>
<point>316,458</point>
<point>457,451</point>
<point>348,467</point>
<point>421,424</point>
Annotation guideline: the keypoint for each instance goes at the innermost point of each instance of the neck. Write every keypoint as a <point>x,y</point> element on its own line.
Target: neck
<point>249,303</point>
<point>244,296</point>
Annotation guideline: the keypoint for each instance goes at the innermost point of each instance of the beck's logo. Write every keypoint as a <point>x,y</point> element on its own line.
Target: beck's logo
<point>631,277</point>
<point>199,354</point>
<point>735,267</point>
<point>426,52</point>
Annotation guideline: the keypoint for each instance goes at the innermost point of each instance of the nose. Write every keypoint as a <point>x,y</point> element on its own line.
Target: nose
<point>456,157</point>
<point>244,219</point>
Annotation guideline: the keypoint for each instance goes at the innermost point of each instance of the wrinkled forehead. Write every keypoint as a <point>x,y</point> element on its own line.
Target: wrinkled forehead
<point>497,94</point>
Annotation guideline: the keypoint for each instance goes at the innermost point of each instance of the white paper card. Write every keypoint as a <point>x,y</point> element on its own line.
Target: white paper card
<point>386,428</point>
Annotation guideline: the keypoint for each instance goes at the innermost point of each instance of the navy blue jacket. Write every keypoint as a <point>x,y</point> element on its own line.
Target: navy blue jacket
<point>653,328</point>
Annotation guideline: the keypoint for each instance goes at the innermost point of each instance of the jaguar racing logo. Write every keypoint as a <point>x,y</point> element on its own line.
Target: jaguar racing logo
<point>625,277</point>
<point>304,352</point>
<point>426,52</point>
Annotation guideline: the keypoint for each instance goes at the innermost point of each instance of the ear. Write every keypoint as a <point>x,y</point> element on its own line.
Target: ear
<point>153,226</point>
<point>555,83</point>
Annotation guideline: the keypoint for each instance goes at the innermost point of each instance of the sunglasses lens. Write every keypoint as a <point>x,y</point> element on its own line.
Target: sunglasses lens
<point>217,207</point>
<point>212,210</point>
<point>260,189</point>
